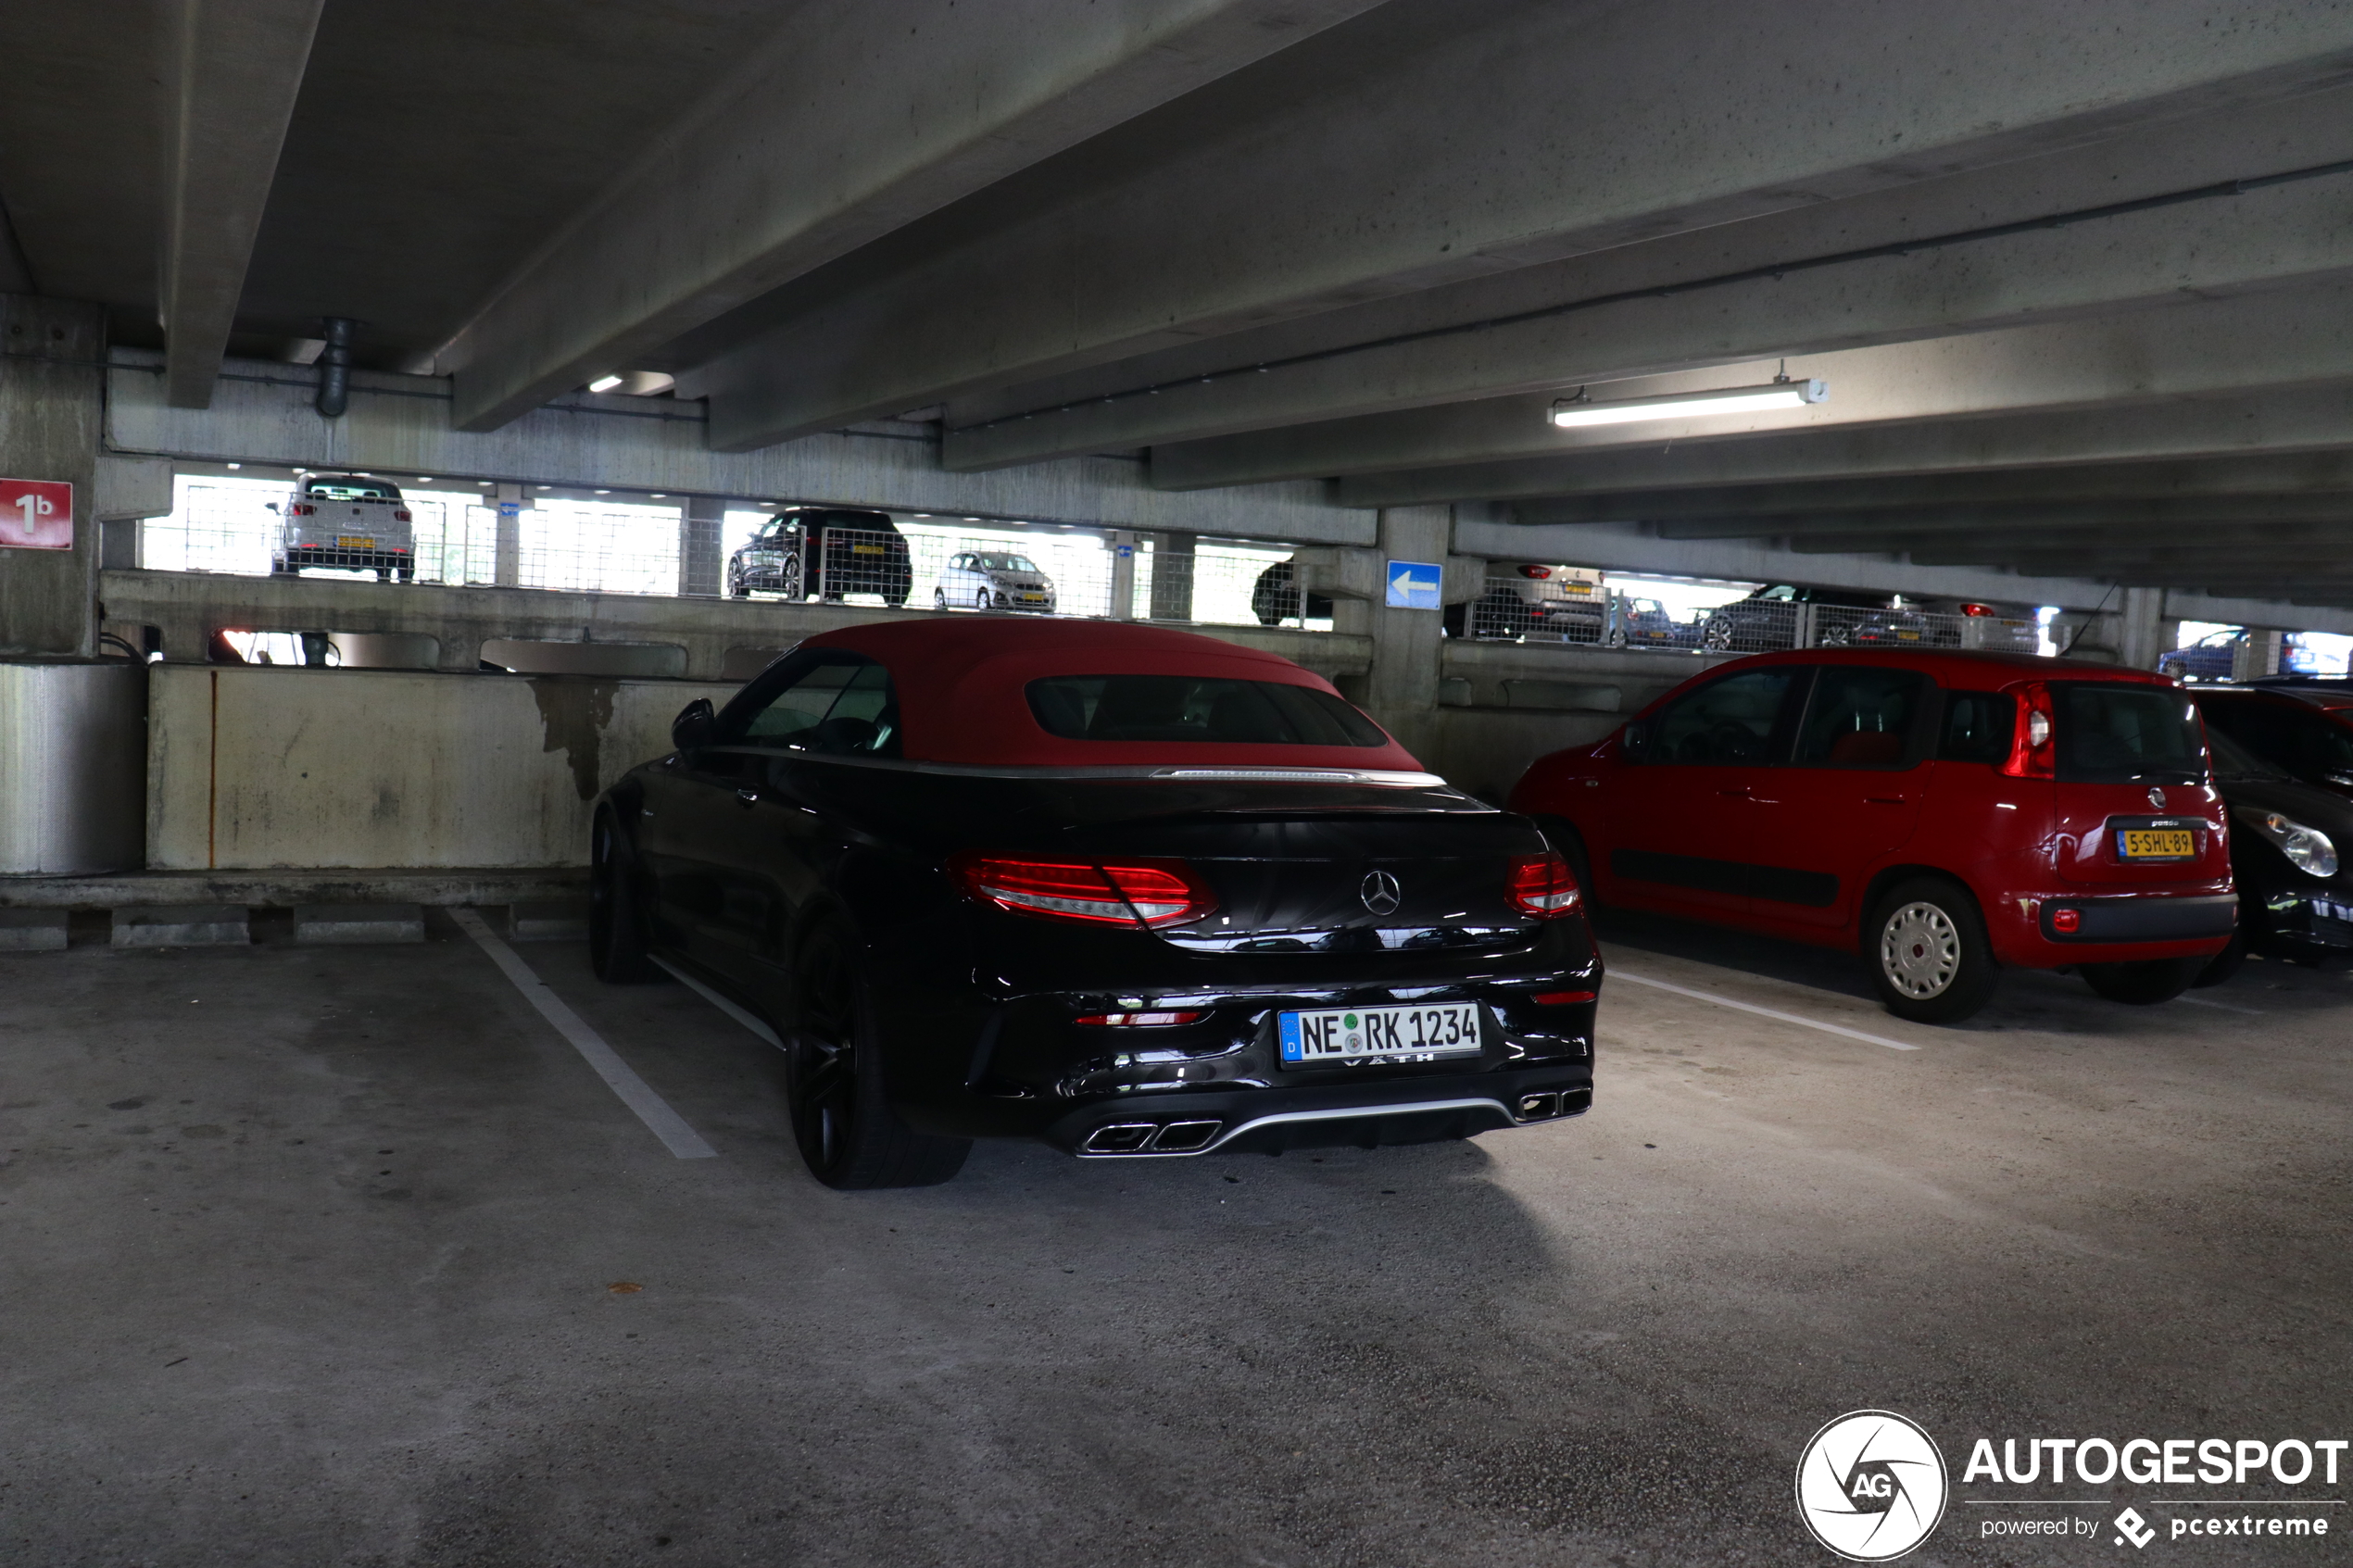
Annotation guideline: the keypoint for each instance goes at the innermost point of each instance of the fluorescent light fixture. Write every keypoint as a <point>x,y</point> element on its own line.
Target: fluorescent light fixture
<point>236,465</point>
<point>1571,413</point>
<point>604,384</point>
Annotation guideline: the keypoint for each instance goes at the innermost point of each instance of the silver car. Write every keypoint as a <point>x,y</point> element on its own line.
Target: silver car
<point>348,520</point>
<point>993,580</point>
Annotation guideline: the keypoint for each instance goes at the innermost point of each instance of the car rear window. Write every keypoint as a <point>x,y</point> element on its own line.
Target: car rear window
<point>354,490</point>
<point>1977,727</point>
<point>2112,732</point>
<point>1196,708</point>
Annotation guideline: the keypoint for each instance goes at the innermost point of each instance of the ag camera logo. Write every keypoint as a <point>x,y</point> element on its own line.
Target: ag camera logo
<point>1871,1486</point>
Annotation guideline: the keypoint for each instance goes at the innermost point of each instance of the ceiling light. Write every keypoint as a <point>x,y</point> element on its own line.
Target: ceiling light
<point>236,465</point>
<point>1571,413</point>
<point>604,492</point>
<point>658,495</point>
<point>604,384</point>
<point>424,479</point>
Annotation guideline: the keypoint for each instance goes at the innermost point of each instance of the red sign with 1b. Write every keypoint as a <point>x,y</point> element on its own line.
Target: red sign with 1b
<point>36,514</point>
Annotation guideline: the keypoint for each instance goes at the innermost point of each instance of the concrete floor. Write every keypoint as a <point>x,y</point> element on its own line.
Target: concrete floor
<point>309,1257</point>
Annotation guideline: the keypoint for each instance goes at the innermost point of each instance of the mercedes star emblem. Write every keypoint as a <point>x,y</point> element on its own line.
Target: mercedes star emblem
<point>2156,797</point>
<point>1379,893</point>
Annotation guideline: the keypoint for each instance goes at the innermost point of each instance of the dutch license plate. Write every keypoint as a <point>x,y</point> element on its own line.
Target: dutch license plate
<point>2155,844</point>
<point>355,542</point>
<point>1349,1036</point>
<point>865,549</point>
<point>1908,636</point>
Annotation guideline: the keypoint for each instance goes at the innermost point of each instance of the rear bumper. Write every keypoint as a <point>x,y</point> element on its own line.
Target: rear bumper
<point>2111,928</point>
<point>2294,924</point>
<point>1420,1110</point>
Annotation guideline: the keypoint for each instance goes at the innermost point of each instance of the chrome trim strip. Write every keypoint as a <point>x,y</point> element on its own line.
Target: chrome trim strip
<point>1166,773</point>
<point>1341,1113</point>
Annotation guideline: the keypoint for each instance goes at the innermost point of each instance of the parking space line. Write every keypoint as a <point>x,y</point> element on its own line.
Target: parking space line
<point>722,1003</point>
<point>633,1091</point>
<point>1617,973</point>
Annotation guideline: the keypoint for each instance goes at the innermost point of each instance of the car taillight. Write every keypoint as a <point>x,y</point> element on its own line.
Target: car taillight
<point>1560,998</point>
<point>2066,921</point>
<point>1977,610</point>
<point>1539,572</point>
<point>302,509</point>
<point>2030,748</point>
<point>398,515</point>
<point>1139,1020</point>
<point>1541,885</point>
<point>1155,892</point>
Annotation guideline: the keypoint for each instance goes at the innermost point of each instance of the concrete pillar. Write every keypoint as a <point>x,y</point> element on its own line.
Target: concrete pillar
<point>1400,690</point>
<point>703,522</point>
<point>1172,577</point>
<point>509,503</point>
<point>52,382</point>
<point>1122,545</point>
<point>2138,645</point>
<point>2258,654</point>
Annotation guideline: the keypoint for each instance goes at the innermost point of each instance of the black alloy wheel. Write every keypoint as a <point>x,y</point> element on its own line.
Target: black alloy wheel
<point>2143,982</point>
<point>848,1135</point>
<point>939,598</point>
<point>736,587</point>
<point>616,926</point>
<point>1926,951</point>
<point>791,574</point>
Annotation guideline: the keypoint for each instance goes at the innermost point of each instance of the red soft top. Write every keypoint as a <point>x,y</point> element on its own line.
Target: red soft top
<point>962,681</point>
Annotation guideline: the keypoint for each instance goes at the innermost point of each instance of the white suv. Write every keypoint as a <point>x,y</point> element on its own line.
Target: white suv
<point>993,580</point>
<point>348,521</point>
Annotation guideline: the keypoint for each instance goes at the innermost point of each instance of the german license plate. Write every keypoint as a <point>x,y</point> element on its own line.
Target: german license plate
<point>1353,1037</point>
<point>2155,844</point>
<point>355,541</point>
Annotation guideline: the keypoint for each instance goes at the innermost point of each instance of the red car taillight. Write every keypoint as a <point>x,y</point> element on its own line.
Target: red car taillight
<point>1560,998</point>
<point>2032,751</point>
<point>1541,885</point>
<point>1539,572</point>
<point>1155,892</point>
<point>303,509</point>
<point>399,516</point>
<point>1977,610</point>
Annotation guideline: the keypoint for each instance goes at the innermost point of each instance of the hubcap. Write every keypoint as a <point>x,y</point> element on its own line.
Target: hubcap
<point>1919,951</point>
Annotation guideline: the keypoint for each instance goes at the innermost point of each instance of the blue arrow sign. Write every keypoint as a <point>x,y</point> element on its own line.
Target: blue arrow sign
<point>1414,585</point>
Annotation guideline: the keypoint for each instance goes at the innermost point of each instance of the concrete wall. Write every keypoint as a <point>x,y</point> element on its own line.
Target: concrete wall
<point>72,766</point>
<point>257,768</point>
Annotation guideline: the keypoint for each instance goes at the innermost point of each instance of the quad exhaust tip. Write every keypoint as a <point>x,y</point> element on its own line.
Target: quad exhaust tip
<point>1152,1137</point>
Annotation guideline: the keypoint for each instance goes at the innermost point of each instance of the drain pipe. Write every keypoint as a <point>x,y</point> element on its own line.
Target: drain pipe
<point>334,367</point>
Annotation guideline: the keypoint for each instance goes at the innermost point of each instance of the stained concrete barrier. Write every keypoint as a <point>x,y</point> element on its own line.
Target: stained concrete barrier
<point>342,924</point>
<point>33,931</point>
<point>183,925</point>
<point>262,767</point>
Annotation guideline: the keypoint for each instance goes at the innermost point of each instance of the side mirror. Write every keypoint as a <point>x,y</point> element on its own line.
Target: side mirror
<point>272,505</point>
<point>695,726</point>
<point>1636,740</point>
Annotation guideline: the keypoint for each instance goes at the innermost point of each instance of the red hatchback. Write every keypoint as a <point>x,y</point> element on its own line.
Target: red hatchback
<point>1942,813</point>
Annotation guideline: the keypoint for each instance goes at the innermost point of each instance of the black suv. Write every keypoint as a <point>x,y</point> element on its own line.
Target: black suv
<point>824,551</point>
<point>1766,621</point>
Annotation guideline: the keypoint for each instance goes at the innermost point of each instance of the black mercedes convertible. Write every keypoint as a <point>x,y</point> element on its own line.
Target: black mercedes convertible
<point>1135,892</point>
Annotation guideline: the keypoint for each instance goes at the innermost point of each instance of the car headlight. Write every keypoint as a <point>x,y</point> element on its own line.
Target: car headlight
<point>2307,849</point>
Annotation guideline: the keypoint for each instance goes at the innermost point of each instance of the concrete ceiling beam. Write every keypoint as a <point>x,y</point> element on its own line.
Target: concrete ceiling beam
<point>851,122</point>
<point>232,72</point>
<point>2298,421</point>
<point>2233,346</point>
<point>1897,528</point>
<point>1367,357</point>
<point>2157,255</point>
<point>1999,544</point>
<point>1340,188</point>
<point>2312,472</point>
